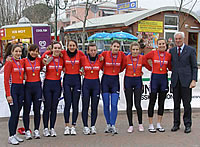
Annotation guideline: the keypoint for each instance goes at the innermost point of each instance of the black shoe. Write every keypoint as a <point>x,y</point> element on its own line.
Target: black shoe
<point>175,128</point>
<point>187,129</point>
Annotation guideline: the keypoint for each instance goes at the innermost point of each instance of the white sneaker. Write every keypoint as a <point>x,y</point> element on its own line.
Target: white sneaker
<point>67,130</point>
<point>28,135</point>
<point>107,129</point>
<point>46,132</point>
<point>86,131</point>
<point>18,138</point>
<point>130,129</point>
<point>36,134</point>
<point>113,130</point>
<point>140,128</point>
<point>12,140</point>
<point>73,131</point>
<point>93,130</point>
<point>53,132</point>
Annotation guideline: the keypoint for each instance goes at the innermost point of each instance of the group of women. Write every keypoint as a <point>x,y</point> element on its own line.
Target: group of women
<point>70,62</point>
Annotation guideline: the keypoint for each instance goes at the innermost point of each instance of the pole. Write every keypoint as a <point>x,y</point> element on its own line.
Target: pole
<point>56,15</point>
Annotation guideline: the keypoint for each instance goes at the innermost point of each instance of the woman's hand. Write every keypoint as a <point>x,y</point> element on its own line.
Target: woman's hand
<point>9,99</point>
<point>9,58</point>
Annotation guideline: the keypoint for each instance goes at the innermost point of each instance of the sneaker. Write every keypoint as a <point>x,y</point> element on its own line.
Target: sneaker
<point>130,129</point>
<point>73,131</point>
<point>107,129</point>
<point>28,135</point>
<point>93,130</point>
<point>12,140</point>
<point>67,130</point>
<point>36,134</point>
<point>86,131</point>
<point>18,138</point>
<point>53,132</point>
<point>113,130</point>
<point>140,128</point>
<point>46,132</point>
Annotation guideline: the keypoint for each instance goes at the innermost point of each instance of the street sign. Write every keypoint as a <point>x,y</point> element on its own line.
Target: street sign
<point>126,5</point>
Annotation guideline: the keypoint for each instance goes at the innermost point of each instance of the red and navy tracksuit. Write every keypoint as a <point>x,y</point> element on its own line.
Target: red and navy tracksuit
<point>90,88</point>
<point>161,62</point>
<point>113,65</point>
<point>133,83</point>
<point>33,91</point>
<point>14,71</point>
<point>72,83</point>
<point>52,90</point>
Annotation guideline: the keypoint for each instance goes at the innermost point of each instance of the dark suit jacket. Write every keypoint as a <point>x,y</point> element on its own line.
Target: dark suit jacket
<point>184,67</point>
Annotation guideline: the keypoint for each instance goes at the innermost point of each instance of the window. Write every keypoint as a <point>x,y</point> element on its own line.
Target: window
<point>73,12</point>
<point>171,22</point>
<point>73,22</point>
<point>68,15</point>
<point>170,26</point>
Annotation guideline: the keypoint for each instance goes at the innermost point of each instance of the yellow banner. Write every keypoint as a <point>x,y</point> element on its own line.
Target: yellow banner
<point>18,33</point>
<point>150,26</point>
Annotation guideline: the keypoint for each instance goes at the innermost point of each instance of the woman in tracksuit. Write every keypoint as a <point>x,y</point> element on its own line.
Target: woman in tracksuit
<point>14,71</point>
<point>133,83</point>
<point>52,89</point>
<point>33,90</point>
<point>113,65</point>
<point>161,62</point>
<point>91,87</point>
<point>71,84</point>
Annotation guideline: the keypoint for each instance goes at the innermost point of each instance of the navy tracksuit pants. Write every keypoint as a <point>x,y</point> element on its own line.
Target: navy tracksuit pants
<point>17,93</point>
<point>72,90</point>
<point>159,84</point>
<point>90,89</point>
<point>52,92</point>
<point>33,94</point>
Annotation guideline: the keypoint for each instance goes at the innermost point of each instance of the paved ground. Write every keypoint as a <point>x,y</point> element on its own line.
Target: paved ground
<point>136,139</point>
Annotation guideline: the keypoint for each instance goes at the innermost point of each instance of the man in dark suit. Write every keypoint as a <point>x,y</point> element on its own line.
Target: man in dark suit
<point>184,78</point>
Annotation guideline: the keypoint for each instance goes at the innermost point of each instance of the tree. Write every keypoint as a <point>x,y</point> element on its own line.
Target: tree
<point>11,10</point>
<point>182,4</point>
<point>88,5</point>
<point>38,13</point>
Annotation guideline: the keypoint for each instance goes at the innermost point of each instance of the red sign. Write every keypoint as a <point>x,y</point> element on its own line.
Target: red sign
<point>2,33</point>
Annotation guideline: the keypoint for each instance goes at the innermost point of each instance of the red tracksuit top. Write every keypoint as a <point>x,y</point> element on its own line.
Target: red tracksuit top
<point>11,70</point>
<point>159,67</point>
<point>31,66</point>
<point>53,71</point>
<point>72,65</point>
<point>131,63</point>
<point>113,66</point>
<point>91,69</point>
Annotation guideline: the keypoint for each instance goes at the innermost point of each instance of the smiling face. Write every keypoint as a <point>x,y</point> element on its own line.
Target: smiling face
<point>72,46</point>
<point>161,45</point>
<point>135,51</point>
<point>179,40</point>
<point>34,53</point>
<point>56,49</point>
<point>17,52</point>
<point>115,48</point>
<point>92,51</point>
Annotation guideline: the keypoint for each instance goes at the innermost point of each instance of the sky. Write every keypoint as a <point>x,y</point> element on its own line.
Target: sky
<point>151,4</point>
